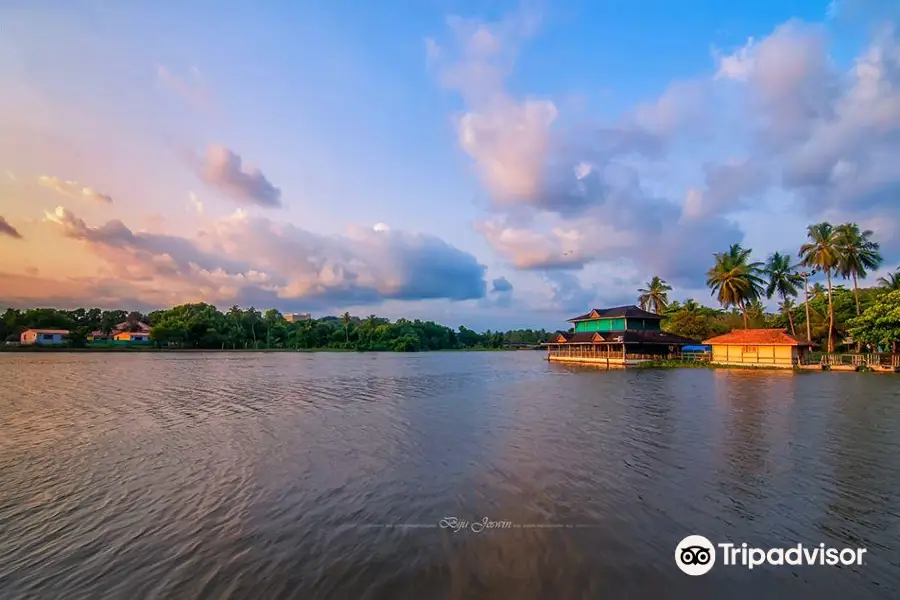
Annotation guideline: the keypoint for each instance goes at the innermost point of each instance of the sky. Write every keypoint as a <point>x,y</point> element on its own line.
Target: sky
<point>495,164</point>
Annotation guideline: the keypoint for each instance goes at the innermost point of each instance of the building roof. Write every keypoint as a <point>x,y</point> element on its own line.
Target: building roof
<point>617,312</point>
<point>756,337</point>
<point>59,331</point>
<point>632,336</point>
<point>124,325</point>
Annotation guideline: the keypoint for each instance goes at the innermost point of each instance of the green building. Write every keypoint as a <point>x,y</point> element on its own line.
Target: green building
<point>619,335</point>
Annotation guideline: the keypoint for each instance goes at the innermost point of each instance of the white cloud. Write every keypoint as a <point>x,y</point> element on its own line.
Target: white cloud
<point>194,203</point>
<point>72,189</point>
<point>736,66</point>
<point>252,260</point>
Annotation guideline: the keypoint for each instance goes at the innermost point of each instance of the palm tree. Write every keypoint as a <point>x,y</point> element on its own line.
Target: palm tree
<point>859,255</point>
<point>823,252</point>
<point>782,281</point>
<point>655,295</point>
<point>735,279</point>
<point>786,306</point>
<point>891,281</point>
<point>690,305</point>
<point>818,290</point>
<point>346,319</point>
<point>806,275</point>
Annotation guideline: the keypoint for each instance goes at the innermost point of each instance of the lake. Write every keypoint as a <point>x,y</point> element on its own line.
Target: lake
<point>298,475</point>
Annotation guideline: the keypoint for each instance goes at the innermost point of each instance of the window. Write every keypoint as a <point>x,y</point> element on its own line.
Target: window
<point>749,350</point>
<point>47,336</point>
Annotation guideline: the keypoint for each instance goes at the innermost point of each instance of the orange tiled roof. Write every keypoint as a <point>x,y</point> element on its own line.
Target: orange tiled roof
<point>39,330</point>
<point>757,337</point>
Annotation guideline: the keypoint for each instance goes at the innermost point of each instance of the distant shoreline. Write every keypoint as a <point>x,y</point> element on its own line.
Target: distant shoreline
<point>142,349</point>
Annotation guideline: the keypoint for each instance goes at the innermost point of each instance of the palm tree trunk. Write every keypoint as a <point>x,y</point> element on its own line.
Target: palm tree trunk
<point>830,313</point>
<point>856,296</point>
<point>790,320</point>
<point>806,304</point>
<point>744,310</point>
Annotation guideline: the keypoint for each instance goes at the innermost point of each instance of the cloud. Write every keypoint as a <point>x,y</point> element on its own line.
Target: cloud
<point>849,158</point>
<point>528,249</point>
<point>831,137</point>
<point>9,230</point>
<point>813,142</point>
<point>501,284</point>
<point>569,196</point>
<point>790,79</point>
<point>223,170</point>
<point>568,294</point>
<point>191,88</point>
<point>522,153</point>
<point>245,260</point>
<point>72,189</point>
<point>728,185</point>
<point>381,227</point>
<point>194,203</point>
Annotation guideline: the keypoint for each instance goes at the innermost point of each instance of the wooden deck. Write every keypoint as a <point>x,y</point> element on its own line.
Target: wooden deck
<point>589,355</point>
<point>877,363</point>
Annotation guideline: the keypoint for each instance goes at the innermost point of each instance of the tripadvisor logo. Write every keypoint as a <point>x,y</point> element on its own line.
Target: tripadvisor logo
<point>696,555</point>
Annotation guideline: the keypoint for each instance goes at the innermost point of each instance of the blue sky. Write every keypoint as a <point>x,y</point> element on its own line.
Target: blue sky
<point>238,154</point>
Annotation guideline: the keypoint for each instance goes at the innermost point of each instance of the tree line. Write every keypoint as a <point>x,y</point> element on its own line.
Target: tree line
<point>203,326</point>
<point>825,314</point>
<point>828,313</point>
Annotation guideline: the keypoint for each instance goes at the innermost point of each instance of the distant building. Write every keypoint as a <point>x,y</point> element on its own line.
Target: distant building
<point>132,336</point>
<point>758,347</point>
<point>141,327</point>
<point>43,337</point>
<point>295,317</point>
<point>619,336</point>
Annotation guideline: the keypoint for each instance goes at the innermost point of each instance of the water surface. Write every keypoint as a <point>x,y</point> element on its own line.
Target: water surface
<point>258,476</point>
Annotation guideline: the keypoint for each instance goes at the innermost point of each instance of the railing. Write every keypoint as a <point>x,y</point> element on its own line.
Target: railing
<point>852,360</point>
<point>588,352</point>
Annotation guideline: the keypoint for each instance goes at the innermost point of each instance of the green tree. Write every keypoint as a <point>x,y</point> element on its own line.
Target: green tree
<point>782,281</point>
<point>823,251</point>
<point>879,325</point>
<point>858,255</point>
<point>735,280</point>
<point>891,281</point>
<point>655,295</point>
<point>346,319</point>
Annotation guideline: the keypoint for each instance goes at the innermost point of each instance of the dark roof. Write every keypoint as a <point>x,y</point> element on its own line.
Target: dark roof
<point>632,336</point>
<point>617,312</point>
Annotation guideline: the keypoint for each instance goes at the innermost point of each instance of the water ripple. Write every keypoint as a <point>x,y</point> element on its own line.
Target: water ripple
<point>246,475</point>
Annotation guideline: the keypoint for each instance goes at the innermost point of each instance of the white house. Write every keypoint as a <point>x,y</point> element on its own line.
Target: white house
<point>43,337</point>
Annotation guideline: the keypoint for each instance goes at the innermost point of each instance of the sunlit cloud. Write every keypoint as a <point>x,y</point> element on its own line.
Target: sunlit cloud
<point>225,171</point>
<point>72,189</point>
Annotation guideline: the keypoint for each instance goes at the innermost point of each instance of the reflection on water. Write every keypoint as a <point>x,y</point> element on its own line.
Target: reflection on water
<point>326,476</point>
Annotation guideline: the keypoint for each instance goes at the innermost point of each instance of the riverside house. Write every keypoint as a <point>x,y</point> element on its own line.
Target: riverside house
<point>122,333</point>
<point>132,337</point>
<point>759,348</point>
<point>43,337</point>
<point>615,337</point>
